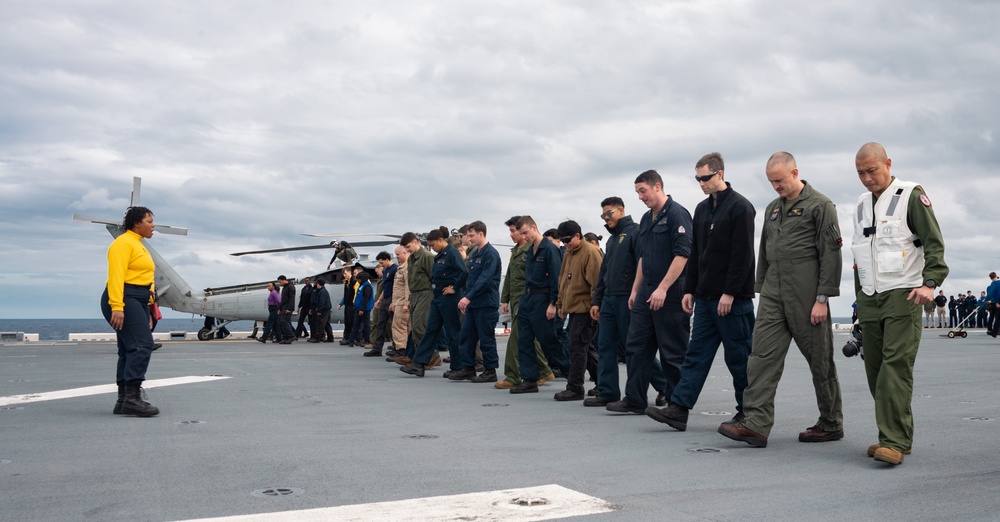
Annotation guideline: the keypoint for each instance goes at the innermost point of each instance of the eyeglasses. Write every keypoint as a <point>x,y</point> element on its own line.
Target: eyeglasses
<point>567,239</point>
<point>606,215</point>
<point>707,177</point>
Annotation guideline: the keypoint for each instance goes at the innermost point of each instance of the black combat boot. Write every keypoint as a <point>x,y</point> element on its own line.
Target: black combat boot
<point>121,398</point>
<point>134,405</point>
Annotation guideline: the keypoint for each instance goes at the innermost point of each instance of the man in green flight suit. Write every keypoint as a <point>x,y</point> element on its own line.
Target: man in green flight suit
<point>510,297</point>
<point>899,261</point>
<point>798,270</point>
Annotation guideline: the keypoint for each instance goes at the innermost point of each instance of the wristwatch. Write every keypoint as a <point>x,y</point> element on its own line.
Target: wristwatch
<point>821,299</point>
<point>930,283</point>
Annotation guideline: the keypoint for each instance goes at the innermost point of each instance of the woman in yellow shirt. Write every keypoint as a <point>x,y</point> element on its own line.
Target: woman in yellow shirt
<point>125,305</point>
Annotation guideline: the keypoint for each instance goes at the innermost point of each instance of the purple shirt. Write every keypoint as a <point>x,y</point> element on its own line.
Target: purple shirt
<point>273,298</point>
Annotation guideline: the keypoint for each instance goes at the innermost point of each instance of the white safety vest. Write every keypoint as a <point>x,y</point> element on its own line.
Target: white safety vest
<point>886,251</point>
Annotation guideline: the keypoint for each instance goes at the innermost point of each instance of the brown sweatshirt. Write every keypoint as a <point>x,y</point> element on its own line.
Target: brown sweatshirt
<point>578,278</point>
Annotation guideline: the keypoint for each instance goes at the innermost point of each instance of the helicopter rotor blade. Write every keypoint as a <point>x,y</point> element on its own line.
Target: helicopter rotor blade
<point>310,247</point>
<point>397,236</point>
<point>94,219</point>
<point>274,250</point>
<point>136,186</point>
<point>176,231</point>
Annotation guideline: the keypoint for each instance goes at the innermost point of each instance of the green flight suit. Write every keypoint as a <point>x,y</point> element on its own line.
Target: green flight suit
<point>513,289</point>
<point>890,332</point>
<point>418,278</point>
<point>799,259</point>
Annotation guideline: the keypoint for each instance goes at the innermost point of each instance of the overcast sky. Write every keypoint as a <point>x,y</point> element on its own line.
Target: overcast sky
<point>251,122</point>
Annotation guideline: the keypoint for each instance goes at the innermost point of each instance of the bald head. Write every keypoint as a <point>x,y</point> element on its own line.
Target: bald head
<point>872,150</point>
<point>780,158</point>
<point>874,168</point>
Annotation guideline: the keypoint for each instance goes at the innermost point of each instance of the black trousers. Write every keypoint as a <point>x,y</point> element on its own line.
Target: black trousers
<point>382,333</point>
<point>135,339</point>
<point>285,329</point>
<point>300,329</point>
<point>581,337</point>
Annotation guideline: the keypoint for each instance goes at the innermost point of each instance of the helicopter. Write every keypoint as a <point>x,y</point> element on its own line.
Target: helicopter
<point>240,302</point>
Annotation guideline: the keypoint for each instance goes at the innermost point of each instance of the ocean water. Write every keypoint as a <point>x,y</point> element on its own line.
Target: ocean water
<point>59,329</point>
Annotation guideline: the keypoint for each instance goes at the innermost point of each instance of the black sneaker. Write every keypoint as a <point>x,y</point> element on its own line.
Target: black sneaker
<point>624,406</point>
<point>568,395</point>
<point>465,374</point>
<point>674,416</point>
<point>592,392</point>
<point>487,376</point>
<point>661,399</point>
<point>414,368</point>
<point>597,401</point>
<point>526,386</point>
<point>374,352</point>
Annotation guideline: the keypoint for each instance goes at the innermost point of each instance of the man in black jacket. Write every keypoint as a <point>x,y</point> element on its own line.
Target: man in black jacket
<point>285,308</point>
<point>305,302</point>
<point>718,288</point>
<point>609,305</point>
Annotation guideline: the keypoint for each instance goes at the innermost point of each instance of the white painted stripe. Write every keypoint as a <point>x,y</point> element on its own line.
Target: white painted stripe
<point>104,388</point>
<point>484,506</point>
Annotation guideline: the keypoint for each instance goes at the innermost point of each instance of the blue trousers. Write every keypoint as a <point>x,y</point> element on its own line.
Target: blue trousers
<point>664,331</point>
<point>362,327</point>
<point>135,339</point>
<point>532,325</point>
<point>611,337</point>
<point>442,321</point>
<point>480,325</point>
<point>271,325</point>
<point>734,331</point>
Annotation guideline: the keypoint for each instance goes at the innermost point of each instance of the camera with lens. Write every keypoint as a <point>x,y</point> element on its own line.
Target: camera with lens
<point>853,345</point>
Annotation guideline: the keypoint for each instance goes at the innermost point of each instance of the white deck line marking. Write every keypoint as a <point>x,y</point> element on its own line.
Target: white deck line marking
<point>103,388</point>
<point>481,507</point>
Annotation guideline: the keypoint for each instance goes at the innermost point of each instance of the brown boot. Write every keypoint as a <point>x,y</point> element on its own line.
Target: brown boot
<point>435,361</point>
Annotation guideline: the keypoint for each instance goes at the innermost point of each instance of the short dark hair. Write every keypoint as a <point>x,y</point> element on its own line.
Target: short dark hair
<point>477,226</point>
<point>134,216</point>
<point>650,177</point>
<point>551,233</point>
<point>713,160</point>
<point>569,228</point>
<point>512,222</point>
<point>363,276</point>
<point>408,238</point>
<point>525,220</point>
<point>383,256</point>
<point>463,229</point>
<point>613,201</point>
<point>993,275</point>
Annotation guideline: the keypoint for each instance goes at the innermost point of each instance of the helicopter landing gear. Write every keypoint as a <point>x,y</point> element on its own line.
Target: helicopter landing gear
<point>205,334</point>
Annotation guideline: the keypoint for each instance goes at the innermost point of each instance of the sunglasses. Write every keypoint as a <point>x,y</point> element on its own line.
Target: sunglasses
<point>567,239</point>
<point>606,215</point>
<point>706,177</point>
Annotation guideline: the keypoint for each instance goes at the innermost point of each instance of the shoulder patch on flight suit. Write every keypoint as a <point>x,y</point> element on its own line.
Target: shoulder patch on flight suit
<point>774,214</point>
<point>925,200</point>
<point>680,229</point>
<point>796,212</point>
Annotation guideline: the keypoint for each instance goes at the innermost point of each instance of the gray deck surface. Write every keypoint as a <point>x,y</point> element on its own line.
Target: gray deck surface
<point>321,418</point>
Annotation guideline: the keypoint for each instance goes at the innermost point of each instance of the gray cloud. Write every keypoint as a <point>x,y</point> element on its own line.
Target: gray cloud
<point>252,122</point>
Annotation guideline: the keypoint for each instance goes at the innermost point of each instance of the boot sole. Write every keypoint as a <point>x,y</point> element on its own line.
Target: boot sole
<point>134,413</point>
